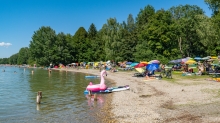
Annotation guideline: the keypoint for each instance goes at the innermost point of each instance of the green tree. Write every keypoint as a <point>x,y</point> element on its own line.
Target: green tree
<point>144,16</point>
<point>185,25</point>
<point>112,40</point>
<point>127,34</point>
<point>99,46</point>
<point>214,5</point>
<point>62,54</point>
<point>23,55</point>
<point>13,59</point>
<point>4,61</point>
<point>157,38</point>
<point>42,46</point>
<point>80,45</point>
<point>93,45</point>
<point>92,32</point>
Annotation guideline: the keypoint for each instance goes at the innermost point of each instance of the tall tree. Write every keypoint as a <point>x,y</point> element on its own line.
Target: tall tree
<point>112,40</point>
<point>92,32</point>
<point>92,43</point>
<point>144,16</point>
<point>157,37</point>
<point>62,54</point>
<point>127,34</point>
<point>185,28</point>
<point>80,44</point>
<point>214,5</point>
<point>23,55</point>
<point>42,44</point>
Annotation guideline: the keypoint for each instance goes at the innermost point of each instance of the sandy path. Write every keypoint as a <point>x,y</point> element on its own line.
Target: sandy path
<point>158,101</point>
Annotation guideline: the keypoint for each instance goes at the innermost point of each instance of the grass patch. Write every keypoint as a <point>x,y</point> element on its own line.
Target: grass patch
<point>177,78</point>
<point>215,92</point>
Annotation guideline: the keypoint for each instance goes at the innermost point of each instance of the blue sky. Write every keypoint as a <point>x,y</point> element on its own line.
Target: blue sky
<point>20,18</point>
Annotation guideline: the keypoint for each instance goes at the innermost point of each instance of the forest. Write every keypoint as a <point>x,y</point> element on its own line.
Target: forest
<point>181,31</point>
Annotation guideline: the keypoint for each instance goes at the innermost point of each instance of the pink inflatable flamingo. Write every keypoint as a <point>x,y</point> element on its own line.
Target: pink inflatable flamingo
<point>98,87</point>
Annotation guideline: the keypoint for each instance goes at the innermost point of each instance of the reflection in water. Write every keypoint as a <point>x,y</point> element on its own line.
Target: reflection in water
<point>94,103</point>
<point>38,107</point>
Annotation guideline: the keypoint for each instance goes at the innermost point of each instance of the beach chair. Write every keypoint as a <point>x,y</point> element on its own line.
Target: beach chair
<point>141,72</point>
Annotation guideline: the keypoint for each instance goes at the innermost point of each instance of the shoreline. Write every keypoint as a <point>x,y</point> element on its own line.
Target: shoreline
<point>183,100</point>
<point>105,114</point>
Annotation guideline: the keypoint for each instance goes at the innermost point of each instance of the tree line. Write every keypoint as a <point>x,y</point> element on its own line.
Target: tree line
<point>181,31</point>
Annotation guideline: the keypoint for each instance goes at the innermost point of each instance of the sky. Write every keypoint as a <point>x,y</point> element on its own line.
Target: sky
<point>19,19</point>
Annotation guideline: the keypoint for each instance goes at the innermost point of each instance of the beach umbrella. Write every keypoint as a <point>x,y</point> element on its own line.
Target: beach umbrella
<point>179,60</point>
<point>154,61</point>
<point>134,64</point>
<point>190,62</point>
<point>206,58</point>
<point>128,63</point>
<point>144,62</point>
<point>153,66</point>
<point>214,57</point>
<point>140,70</point>
<point>176,61</point>
<point>140,65</point>
<point>198,58</point>
<point>185,59</point>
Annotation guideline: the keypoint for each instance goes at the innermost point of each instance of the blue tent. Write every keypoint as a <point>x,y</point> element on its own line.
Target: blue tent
<point>153,66</point>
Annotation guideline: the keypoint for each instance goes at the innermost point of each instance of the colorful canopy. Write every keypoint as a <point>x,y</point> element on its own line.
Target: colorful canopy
<point>134,64</point>
<point>140,65</point>
<point>198,58</point>
<point>185,59</point>
<point>128,63</point>
<point>154,61</point>
<point>190,62</point>
<point>176,61</point>
<point>144,62</point>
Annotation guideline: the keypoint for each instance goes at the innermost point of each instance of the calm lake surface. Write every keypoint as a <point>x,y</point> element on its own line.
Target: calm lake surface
<point>63,98</point>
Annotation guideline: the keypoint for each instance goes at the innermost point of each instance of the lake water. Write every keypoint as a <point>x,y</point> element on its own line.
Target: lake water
<point>63,98</point>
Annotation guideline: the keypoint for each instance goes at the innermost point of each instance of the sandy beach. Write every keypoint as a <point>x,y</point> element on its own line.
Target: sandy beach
<point>161,101</point>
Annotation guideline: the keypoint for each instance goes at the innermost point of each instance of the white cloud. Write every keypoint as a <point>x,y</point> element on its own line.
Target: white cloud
<point>5,44</point>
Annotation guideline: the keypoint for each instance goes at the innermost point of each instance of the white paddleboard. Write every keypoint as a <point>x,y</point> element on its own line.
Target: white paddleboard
<point>120,89</point>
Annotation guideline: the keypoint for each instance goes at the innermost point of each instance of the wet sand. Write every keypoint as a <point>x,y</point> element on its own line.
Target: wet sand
<point>160,101</point>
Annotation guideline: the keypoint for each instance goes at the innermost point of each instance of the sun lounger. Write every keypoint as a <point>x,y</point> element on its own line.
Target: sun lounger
<point>141,72</point>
